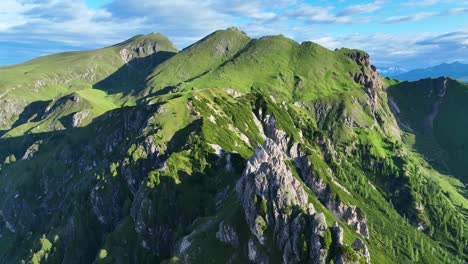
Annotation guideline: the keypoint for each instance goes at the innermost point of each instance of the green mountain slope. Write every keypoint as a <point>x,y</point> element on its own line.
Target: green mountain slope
<point>273,64</point>
<point>436,118</point>
<point>116,70</point>
<point>269,151</point>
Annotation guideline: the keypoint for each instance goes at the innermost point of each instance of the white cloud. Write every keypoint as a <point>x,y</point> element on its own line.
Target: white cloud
<point>71,23</point>
<point>407,50</point>
<point>409,18</point>
<point>362,9</point>
<point>321,15</point>
<point>425,3</point>
<point>11,14</point>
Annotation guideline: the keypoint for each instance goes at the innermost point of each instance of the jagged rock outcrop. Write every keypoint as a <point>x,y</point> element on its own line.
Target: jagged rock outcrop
<point>227,234</point>
<point>31,151</point>
<point>105,205</point>
<point>10,109</point>
<point>141,49</point>
<point>361,248</point>
<point>337,236</point>
<point>352,215</point>
<point>78,118</point>
<point>267,179</point>
<point>273,198</point>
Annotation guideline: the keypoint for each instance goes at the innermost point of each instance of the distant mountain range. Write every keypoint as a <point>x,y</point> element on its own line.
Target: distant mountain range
<point>454,70</point>
<point>391,71</point>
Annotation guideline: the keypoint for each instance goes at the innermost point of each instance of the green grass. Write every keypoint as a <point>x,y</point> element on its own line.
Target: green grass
<point>156,199</point>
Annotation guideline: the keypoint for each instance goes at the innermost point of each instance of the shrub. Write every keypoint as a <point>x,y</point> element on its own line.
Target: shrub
<point>263,207</point>
<point>153,179</point>
<point>102,254</point>
<point>113,169</point>
<point>10,159</point>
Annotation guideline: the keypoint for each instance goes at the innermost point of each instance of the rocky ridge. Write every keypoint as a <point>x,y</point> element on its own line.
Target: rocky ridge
<point>274,199</point>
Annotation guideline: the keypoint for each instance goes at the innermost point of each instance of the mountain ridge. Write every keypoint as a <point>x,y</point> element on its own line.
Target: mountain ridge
<point>454,70</point>
<point>233,150</point>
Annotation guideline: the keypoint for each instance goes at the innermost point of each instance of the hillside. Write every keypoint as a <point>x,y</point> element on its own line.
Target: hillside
<point>233,150</point>
<point>105,77</point>
<point>455,70</point>
<point>435,119</point>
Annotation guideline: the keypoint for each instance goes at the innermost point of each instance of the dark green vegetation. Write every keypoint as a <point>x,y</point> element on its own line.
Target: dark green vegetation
<point>111,162</point>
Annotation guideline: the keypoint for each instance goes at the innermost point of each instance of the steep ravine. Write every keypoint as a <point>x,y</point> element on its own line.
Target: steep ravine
<point>428,123</point>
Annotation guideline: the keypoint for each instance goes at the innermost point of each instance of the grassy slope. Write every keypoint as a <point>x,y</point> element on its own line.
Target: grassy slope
<point>274,64</point>
<point>90,73</point>
<point>446,145</point>
<point>194,175</point>
<point>198,59</point>
<point>386,224</point>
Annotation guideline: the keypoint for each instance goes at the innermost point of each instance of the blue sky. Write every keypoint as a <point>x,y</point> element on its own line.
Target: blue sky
<point>410,34</point>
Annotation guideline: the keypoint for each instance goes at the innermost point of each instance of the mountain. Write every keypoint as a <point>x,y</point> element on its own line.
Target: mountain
<point>455,70</point>
<point>233,150</point>
<point>435,120</point>
<point>391,71</point>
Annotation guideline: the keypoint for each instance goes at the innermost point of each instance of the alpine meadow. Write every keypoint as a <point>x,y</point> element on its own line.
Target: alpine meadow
<point>234,149</point>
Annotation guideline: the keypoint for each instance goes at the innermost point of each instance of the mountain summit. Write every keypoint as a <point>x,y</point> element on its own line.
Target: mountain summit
<point>233,150</point>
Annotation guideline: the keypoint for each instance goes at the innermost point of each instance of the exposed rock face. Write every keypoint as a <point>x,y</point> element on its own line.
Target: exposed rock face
<point>10,109</point>
<point>361,248</point>
<point>78,118</point>
<point>141,49</point>
<point>268,180</point>
<point>269,183</point>
<point>361,58</point>
<point>273,198</point>
<point>337,233</point>
<point>352,215</point>
<point>377,96</point>
<point>318,252</point>
<point>227,234</point>
<point>104,203</point>
<point>277,135</point>
<point>255,254</point>
<point>31,151</point>
<point>439,95</point>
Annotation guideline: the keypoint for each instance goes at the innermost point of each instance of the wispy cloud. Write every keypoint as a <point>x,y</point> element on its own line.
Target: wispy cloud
<point>456,11</point>
<point>425,3</point>
<point>45,25</point>
<point>407,50</point>
<point>361,9</point>
<point>408,18</point>
<point>324,15</point>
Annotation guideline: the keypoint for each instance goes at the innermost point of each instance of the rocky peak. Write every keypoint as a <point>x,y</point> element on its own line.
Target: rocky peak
<point>141,49</point>
<point>145,45</point>
<point>360,57</point>
<point>272,198</point>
